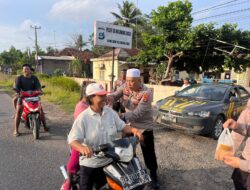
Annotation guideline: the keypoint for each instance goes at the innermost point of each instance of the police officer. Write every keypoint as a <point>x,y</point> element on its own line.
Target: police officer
<point>137,99</point>
<point>117,106</point>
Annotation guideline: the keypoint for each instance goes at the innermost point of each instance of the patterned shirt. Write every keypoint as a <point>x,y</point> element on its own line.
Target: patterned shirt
<point>137,105</point>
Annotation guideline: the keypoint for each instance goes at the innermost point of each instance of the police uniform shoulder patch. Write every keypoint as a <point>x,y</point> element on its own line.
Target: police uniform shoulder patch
<point>145,97</point>
<point>126,91</point>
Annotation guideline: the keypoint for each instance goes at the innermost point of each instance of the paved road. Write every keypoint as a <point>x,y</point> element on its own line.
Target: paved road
<point>25,164</point>
<point>185,161</point>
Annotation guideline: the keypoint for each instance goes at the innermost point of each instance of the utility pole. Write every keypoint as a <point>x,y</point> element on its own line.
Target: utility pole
<point>136,40</point>
<point>36,45</point>
<point>55,40</point>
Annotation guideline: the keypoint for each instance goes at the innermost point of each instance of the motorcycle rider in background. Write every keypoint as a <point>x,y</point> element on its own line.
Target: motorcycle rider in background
<point>25,82</point>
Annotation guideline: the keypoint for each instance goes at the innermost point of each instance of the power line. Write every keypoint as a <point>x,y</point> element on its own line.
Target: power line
<point>232,19</point>
<point>223,14</point>
<point>231,5</point>
<point>207,9</point>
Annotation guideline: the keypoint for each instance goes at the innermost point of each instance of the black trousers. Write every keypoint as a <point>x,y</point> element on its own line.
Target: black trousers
<point>241,179</point>
<point>90,177</point>
<point>148,151</point>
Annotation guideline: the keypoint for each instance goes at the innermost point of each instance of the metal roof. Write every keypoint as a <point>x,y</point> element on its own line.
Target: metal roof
<point>63,58</point>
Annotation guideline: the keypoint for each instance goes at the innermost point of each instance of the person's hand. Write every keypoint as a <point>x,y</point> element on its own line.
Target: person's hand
<point>86,151</point>
<point>137,133</point>
<point>232,161</point>
<point>230,123</point>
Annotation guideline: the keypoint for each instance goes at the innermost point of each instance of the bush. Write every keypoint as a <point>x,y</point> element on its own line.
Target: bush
<point>58,72</point>
<point>41,75</point>
<point>65,83</point>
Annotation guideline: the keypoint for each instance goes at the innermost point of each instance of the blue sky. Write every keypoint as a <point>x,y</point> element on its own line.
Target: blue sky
<point>60,19</point>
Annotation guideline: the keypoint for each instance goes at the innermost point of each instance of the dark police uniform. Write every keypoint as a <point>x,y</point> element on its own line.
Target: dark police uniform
<point>140,114</point>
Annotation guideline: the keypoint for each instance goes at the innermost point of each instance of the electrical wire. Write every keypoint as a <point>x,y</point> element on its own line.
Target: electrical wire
<point>223,14</point>
<point>207,9</point>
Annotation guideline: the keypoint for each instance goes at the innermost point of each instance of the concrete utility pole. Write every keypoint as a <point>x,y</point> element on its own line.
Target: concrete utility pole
<point>36,45</point>
<point>136,40</point>
<point>231,52</point>
<point>55,40</point>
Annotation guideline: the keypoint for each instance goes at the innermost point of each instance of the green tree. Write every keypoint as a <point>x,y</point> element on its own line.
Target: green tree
<point>11,57</point>
<point>75,68</point>
<point>51,51</point>
<point>202,56</point>
<point>172,35</point>
<point>235,57</point>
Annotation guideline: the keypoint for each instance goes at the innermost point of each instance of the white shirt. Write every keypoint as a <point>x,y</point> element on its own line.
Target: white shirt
<point>184,86</point>
<point>92,129</point>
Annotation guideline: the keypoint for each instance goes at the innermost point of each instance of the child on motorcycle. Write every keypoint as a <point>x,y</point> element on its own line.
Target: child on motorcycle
<point>73,163</point>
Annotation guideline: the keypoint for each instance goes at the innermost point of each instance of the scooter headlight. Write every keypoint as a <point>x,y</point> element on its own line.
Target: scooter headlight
<point>125,154</point>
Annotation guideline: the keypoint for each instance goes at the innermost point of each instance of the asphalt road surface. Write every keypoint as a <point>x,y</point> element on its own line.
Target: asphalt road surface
<point>26,164</point>
<point>185,161</point>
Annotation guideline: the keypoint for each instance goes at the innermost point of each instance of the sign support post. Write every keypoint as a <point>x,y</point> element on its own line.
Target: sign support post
<point>113,66</point>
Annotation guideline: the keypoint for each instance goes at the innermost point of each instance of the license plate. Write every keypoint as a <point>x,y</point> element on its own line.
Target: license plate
<point>168,118</point>
<point>133,180</point>
<point>32,99</point>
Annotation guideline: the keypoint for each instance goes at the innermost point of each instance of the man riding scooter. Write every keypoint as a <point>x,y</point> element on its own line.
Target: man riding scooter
<point>25,82</point>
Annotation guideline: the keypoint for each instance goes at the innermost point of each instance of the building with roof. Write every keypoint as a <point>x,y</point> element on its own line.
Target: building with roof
<point>62,60</point>
<point>102,66</point>
<point>48,64</point>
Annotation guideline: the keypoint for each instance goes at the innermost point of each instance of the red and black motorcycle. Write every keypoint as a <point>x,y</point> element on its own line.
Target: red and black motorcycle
<point>32,111</point>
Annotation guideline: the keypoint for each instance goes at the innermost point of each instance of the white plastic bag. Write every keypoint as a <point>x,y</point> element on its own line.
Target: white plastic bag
<point>225,145</point>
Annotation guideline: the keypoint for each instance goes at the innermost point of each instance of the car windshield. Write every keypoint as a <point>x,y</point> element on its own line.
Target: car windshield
<point>206,92</point>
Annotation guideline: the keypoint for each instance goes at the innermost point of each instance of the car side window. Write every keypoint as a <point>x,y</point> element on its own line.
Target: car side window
<point>233,93</point>
<point>243,92</point>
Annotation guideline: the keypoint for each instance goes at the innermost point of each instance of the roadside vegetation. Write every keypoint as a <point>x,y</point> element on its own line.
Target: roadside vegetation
<point>59,90</point>
<point>6,82</point>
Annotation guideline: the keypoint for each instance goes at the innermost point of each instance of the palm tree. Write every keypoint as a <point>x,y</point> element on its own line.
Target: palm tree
<point>129,15</point>
<point>77,42</point>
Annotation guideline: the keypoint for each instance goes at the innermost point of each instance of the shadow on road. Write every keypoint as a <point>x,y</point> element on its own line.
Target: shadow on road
<point>213,178</point>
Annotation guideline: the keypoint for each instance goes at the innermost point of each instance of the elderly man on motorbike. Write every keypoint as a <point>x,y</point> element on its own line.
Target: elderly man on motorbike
<point>97,125</point>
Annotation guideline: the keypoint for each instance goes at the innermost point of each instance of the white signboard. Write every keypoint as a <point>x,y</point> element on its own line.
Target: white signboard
<point>106,34</point>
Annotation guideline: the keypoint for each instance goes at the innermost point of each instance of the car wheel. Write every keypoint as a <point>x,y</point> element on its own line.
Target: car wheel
<point>218,127</point>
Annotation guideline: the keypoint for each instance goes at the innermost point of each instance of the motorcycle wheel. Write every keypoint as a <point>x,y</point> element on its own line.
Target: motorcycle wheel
<point>35,126</point>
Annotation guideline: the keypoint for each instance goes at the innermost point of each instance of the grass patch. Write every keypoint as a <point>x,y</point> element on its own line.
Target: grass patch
<point>61,91</point>
<point>6,82</point>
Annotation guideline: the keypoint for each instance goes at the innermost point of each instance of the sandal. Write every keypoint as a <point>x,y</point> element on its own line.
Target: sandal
<point>46,129</point>
<point>16,134</point>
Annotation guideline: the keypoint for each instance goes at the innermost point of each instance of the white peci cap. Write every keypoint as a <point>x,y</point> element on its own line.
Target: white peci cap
<point>133,73</point>
<point>95,89</point>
